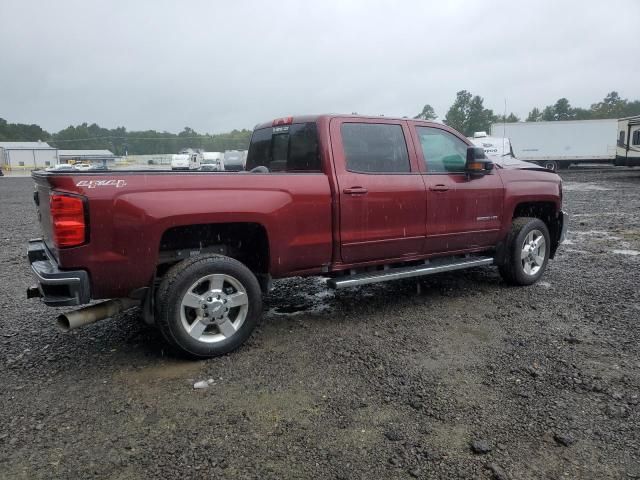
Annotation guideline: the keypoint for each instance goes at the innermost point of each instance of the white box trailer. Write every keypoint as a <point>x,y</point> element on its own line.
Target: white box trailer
<point>561,143</point>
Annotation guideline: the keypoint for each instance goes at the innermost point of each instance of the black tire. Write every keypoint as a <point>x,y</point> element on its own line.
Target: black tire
<point>512,269</point>
<point>174,287</point>
<point>550,165</point>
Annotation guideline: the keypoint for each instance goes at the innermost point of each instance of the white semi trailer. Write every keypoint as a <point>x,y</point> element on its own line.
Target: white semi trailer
<point>561,143</point>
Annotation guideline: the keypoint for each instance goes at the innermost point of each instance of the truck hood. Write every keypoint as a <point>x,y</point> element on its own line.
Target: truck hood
<point>514,163</point>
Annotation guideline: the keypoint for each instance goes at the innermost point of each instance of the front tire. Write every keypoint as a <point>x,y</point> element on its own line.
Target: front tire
<point>208,305</point>
<point>527,251</point>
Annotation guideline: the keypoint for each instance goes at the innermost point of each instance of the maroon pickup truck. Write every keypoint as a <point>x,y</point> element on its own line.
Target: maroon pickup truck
<point>354,199</point>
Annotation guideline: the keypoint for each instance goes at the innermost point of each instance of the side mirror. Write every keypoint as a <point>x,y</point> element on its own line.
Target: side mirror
<point>477,162</point>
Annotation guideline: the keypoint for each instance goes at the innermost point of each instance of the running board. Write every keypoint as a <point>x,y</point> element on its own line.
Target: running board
<point>407,272</point>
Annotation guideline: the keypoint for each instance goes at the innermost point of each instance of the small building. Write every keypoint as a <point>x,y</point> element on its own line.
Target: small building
<point>27,155</point>
<point>86,156</point>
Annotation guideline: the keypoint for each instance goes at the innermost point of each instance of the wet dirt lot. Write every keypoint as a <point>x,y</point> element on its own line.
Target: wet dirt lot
<point>462,377</point>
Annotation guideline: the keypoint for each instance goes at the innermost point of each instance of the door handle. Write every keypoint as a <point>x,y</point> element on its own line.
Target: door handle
<point>438,188</point>
<point>355,191</point>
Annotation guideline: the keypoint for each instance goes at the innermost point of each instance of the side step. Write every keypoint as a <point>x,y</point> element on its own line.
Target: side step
<point>435,266</point>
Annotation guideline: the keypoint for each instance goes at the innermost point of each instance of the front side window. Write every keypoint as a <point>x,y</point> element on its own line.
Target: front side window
<point>285,148</point>
<point>375,148</point>
<point>442,151</point>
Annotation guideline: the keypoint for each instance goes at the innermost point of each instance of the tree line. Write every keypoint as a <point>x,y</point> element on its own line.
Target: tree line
<point>121,142</point>
<point>468,113</point>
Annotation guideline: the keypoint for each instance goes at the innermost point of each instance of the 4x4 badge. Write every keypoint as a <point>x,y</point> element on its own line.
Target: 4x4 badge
<point>101,183</point>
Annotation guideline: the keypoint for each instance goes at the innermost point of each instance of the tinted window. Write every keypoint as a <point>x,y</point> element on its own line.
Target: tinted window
<point>443,152</point>
<point>636,137</point>
<point>375,147</point>
<point>285,148</point>
<point>621,138</point>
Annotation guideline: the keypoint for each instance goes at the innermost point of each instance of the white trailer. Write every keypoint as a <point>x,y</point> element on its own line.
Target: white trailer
<point>562,143</point>
<point>186,161</point>
<point>628,150</point>
<point>492,146</point>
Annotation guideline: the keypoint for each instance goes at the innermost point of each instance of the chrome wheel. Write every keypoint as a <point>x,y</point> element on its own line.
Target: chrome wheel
<point>533,252</point>
<point>214,308</point>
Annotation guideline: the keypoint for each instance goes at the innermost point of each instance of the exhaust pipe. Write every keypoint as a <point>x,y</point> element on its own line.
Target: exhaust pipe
<point>87,315</point>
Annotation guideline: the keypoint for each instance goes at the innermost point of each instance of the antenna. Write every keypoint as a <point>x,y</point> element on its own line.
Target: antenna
<point>504,125</point>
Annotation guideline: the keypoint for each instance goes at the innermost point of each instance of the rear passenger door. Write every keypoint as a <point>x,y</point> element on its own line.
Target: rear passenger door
<point>381,192</point>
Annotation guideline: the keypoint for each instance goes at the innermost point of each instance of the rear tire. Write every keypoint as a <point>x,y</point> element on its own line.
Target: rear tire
<point>550,165</point>
<point>208,305</point>
<point>527,249</point>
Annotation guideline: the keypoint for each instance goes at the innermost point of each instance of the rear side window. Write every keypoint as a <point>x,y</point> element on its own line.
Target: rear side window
<point>285,148</point>
<point>636,137</point>
<point>443,152</point>
<point>375,148</point>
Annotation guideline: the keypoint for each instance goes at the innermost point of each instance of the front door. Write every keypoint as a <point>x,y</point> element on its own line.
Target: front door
<point>381,192</point>
<point>462,212</point>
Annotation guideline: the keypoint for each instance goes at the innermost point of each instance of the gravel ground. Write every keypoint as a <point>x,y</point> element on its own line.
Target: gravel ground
<point>455,376</point>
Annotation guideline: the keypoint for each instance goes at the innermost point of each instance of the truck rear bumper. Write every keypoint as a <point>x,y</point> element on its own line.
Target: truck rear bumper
<point>58,288</point>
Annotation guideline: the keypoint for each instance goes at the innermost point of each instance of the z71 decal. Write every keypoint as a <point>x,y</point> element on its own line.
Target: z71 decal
<point>101,183</point>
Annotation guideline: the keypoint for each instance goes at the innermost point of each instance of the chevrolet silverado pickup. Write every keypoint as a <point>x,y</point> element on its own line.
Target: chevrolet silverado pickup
<point>354,199</point>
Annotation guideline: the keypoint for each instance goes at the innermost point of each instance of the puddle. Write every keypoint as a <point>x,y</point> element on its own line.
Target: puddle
<point>289,309</point>
<point>163,371</point>
<point>597,233</point>
<point>582,187</point>
<point>626,252</point>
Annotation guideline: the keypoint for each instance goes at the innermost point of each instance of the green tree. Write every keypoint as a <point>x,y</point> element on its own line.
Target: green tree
<point>562,110</point>
<point>479,119</point>
<point>535,115</point>
<point>511,118</point>
<point>548,114</point>
<point>457,115</point>
<point>427,113</point>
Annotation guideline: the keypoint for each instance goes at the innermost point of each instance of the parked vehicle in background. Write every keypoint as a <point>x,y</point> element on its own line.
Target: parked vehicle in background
<point>492,146</point>
<point>82,166</point>
<point>98,168</point>
<point>61,167</point>
<point>235,160</point>
<point>560,144</point>
<point>628,148</point>
<point>186,161</point>
<point>212,161</point>
<point>355,199</point>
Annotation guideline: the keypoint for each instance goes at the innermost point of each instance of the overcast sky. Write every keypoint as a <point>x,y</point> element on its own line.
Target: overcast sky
<point>215,65</point>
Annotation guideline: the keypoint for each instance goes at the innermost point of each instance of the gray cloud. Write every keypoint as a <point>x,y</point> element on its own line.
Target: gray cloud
<point>216,66</point>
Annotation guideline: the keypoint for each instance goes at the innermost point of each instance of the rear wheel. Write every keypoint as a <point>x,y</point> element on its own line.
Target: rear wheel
<point>550,165</point>
<point>527,251</point>
<point>208,306</point>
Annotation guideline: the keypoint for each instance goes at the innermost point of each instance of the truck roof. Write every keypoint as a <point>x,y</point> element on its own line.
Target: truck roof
<point>315,118</point>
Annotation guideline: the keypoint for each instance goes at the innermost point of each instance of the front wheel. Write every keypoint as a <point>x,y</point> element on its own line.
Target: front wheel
<point>527,251</point>
<point>208,306</point>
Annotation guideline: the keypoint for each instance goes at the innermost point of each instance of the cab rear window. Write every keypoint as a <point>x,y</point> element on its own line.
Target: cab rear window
<point>285,148</point>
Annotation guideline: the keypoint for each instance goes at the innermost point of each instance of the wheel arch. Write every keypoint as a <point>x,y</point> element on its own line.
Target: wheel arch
<point>247,242</point>
<point>546,211</point>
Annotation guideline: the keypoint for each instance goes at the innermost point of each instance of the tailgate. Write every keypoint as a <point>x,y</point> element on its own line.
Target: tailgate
<point>41,199</point>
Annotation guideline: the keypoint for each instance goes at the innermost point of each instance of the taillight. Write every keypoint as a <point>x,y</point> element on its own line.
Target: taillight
<point>67,220</point>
